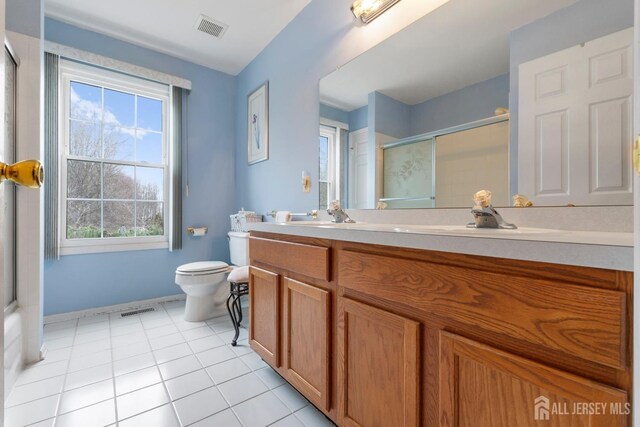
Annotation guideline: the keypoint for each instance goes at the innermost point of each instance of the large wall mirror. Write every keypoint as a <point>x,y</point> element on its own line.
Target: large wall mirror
<point>522,97</point>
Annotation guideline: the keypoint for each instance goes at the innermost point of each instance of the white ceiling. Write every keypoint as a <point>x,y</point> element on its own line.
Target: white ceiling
<point>461,43</point>
<point>168,25</point>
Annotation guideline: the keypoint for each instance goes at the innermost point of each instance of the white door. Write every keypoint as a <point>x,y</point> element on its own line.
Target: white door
<point>358,164</point>
<point>575,121</point>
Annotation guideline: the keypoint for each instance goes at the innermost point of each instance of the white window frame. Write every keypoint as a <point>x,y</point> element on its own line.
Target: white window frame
<point>73,71</point>
<point>333,154</point>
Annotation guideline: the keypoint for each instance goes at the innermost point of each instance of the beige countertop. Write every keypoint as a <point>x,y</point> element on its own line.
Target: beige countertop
<point>610,250</point>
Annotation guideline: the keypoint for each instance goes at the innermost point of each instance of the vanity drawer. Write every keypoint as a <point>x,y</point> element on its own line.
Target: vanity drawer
<point>582,321</point>
<point>308,260</point>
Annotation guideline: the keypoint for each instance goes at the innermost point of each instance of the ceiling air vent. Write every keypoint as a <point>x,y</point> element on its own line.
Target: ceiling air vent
<point>211,26</point>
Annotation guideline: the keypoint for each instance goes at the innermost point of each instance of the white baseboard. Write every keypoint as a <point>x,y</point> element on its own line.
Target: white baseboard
<point>133,305</point>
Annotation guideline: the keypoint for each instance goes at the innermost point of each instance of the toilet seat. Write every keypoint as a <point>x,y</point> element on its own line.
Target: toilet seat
<point>202,268</point>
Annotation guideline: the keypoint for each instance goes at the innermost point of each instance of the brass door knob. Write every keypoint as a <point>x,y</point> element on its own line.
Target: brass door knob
<point>28,173</point>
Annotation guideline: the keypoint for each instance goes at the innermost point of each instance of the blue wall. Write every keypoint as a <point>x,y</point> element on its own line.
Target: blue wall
<point>390,117</point>
<point>84,281</point>
<point>358,118</point>
<point>322,37</point>
<point>583,21</point>
<point>471,103</point>
<point>333,113</point>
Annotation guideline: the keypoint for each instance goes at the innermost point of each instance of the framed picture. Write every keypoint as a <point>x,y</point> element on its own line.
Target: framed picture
<point>258,124</point>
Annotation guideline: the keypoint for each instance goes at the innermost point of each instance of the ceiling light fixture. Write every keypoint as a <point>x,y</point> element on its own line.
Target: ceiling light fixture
<point>368,10</point>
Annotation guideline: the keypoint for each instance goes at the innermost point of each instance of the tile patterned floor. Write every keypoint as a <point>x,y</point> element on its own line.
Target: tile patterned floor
<point>153,369</point>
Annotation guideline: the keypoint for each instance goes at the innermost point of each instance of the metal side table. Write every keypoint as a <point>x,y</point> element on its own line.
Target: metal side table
<point>238,286</point>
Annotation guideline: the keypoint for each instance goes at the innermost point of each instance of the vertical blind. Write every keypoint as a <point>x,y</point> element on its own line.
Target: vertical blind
<point>51,91</point>
<point>51,149</point>
<point>175,241</point>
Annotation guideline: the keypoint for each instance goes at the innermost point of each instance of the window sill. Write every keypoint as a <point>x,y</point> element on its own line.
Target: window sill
<point>85,248</point>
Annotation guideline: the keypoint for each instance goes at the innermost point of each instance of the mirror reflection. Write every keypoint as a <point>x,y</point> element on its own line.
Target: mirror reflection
<point>523,98</point>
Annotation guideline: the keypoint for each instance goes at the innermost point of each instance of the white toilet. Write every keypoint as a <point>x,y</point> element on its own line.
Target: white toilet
<point>205,282</point>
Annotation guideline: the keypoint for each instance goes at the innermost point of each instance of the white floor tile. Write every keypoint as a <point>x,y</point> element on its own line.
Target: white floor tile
<point>242,388</point>
<point>228,335</point>
<point>215,355</point>
<point>127,329</point>
<point>56,355</point>
<point>227,370</point>
<point>102,335</point>
<point>194,334</point>
<point>311,417</point>
<point>162,331</point>
<point>128,339</point>
<point>171,353</point>
<point>141,401</point>
<point>253,361</point>
<point>131,364</point>
<point>32,412</point>
<point>90,348</point>
<point>92,327</point>
<point>290,421</point>
<point>200,405</point>
<point>96,348</point>
<point>57,343</point>
<point>98,415</point>
<point>166,341</point>
<point>137,380</point>
<point>221,326</point>
<point>78,363</point>
<point>225,418</point>
<point>41,372</point>
<point>179,367</point>
<point>270,377</point>
<point>33,391</point>
<point>88,376</point>
<point>130,350</point>
<point>46,423</point>
<point>185,385</point>
<point>183,325</point>
<point>290,397</point>
<point>157,322</point>
<point>202,344</point>
<point>241,348</point>
<point>85,396</point>
<point>163,416</point>
<point>261,410</point>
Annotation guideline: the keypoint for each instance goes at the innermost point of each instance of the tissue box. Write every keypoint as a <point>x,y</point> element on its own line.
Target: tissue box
<point>239,221</point>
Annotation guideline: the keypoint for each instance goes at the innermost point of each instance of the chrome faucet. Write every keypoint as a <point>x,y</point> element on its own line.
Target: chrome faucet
<point>485,215</point>
<point>338,214</point>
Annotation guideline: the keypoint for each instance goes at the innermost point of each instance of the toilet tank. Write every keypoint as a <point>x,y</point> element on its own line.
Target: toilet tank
<point>239,248</point>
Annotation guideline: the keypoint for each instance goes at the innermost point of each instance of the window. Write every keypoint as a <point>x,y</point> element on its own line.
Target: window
<point>329,173</point>
<point>114,161</point>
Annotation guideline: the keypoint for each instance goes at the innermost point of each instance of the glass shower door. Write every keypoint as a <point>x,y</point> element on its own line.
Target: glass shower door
<point>409,175</point>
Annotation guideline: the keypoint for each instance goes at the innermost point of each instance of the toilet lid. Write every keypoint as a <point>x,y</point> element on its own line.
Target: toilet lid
<point>202,266</point>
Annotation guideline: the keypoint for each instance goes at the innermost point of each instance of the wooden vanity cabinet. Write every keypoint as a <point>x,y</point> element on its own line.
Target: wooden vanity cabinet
<point>290,300</point>
<point>379,367</point>
<point>481,386</point>
<point>382,336</point>
<point>264,314</point>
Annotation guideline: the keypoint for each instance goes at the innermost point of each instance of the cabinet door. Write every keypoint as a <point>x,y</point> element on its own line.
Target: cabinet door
<point>378,367</point>
<point>307,326</point>
<point>484,387</point>
<point>264,319</point>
